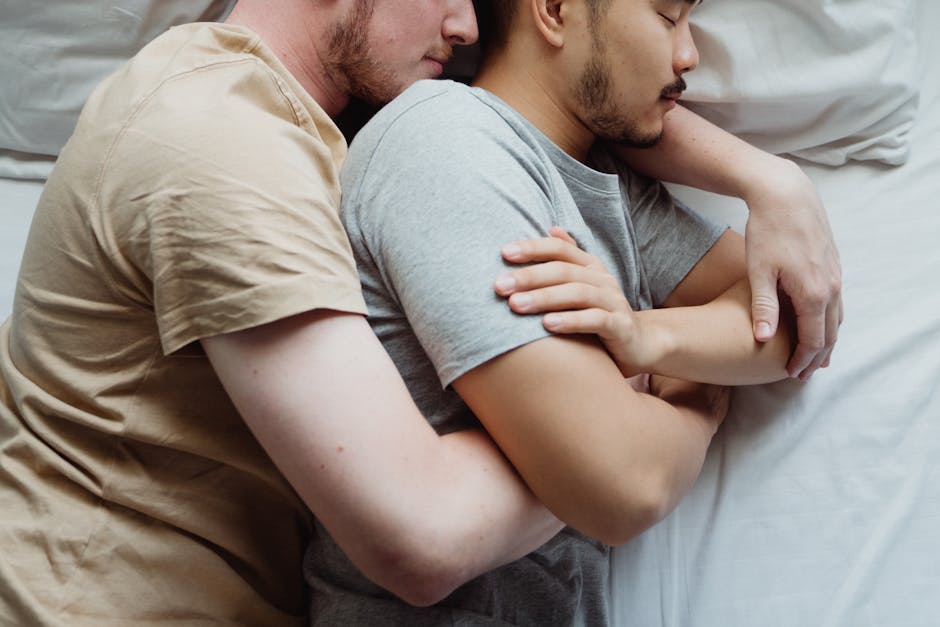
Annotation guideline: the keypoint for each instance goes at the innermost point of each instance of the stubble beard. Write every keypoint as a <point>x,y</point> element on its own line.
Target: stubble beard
<point>353,63</point>
<point>603,117</point>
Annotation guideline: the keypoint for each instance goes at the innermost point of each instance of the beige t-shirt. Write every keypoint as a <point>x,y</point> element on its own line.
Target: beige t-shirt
<point>198,196</point>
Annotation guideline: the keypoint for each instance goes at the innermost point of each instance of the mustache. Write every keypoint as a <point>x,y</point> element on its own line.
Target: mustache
<point>674,89</point>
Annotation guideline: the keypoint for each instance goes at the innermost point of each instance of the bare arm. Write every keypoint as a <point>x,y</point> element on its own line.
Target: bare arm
<point>606,460</point>
<point>417,513</point>
<point>703,332</point>
<point>711,343</point>
<point>789,240</point>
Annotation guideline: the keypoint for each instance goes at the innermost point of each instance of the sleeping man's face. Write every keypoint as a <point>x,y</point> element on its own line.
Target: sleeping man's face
<point>632,72</point>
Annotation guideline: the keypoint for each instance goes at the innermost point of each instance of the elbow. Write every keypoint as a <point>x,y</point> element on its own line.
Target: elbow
<point>627,512</point>
<point>642,515</point>
<point>420,589</point>
<point>419,571</point>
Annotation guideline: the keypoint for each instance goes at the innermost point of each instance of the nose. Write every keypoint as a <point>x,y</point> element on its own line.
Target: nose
<point>460,23</point>
<point>685,58</point>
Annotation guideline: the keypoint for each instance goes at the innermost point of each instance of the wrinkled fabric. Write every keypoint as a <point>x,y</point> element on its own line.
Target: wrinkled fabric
<point>198,196</point>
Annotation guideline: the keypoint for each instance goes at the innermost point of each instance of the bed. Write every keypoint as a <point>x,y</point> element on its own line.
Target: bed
<point>819,503</point>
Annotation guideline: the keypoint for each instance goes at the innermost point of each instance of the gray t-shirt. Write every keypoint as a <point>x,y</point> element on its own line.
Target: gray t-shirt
<point>433,187</point>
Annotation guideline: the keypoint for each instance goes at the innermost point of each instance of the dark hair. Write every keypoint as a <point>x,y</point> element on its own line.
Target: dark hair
<point>495,20</point>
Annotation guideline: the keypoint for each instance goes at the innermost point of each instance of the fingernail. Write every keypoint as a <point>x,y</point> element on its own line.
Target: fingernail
<point>763,329</point>
<point>551,320</point>
<point>512,251</point>
<point>521,301</point>
<point>505,283</point>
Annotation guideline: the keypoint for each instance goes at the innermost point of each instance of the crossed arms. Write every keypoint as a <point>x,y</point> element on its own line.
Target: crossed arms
<point>319,382</point>
<point>604,458</point>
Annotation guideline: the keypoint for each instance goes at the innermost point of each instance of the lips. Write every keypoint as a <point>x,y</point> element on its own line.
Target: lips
<point>441,56</point>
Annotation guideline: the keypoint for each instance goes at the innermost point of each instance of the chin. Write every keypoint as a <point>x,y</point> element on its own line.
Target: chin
<point>636,139</point>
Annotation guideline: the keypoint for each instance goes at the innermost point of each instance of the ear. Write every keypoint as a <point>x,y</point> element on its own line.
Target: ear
<point>548,20</point>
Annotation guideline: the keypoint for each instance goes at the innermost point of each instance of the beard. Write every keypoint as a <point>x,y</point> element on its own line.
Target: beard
<point>353,64</point>
<point>603,117</point>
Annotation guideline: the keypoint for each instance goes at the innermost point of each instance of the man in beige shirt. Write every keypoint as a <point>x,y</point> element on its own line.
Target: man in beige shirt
<point>188,332</point>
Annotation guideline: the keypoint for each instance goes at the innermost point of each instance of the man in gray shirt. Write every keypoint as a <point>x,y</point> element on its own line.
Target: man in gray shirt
<point>444,175</point>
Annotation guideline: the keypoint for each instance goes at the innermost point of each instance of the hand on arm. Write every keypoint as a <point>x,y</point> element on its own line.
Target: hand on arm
<point>417,513</point>
<point>704,333</point>
<point>789,242</point>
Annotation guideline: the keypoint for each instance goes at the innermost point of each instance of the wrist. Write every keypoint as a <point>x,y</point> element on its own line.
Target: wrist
<point>659,342</point>
<point>766,176</point>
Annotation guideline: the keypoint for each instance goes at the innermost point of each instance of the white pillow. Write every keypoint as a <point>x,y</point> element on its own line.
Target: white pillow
<point>825,80</point>
<point>53,53</point>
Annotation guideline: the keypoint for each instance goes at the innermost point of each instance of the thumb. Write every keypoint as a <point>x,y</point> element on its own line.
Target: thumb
<point>765,305</point>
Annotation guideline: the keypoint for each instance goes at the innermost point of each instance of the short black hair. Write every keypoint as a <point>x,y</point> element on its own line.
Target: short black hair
<point>495,19</point>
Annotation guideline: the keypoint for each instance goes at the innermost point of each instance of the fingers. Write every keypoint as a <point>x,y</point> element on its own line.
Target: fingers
<point>556,248</point>
<point>819,312</point>
<point>811,330</point>
<point>765,304</point>
<point>834,318</point>
<point>551,273</point>
<point>593,321</point>
<point>557,231</point>
<point>566,296</point>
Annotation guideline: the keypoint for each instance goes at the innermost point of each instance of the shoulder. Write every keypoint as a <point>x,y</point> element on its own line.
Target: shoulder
<point>212,89</point>
<point>213,102</point>
<point>442,131</point>
<point>435,114</point>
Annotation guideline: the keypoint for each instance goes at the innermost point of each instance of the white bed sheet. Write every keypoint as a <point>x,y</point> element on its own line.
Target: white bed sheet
<point>819,504</point>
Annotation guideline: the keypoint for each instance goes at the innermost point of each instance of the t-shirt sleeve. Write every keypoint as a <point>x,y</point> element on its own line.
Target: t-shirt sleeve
<point>225,217</point>
<point>671,237</point>
<point>427,230</point>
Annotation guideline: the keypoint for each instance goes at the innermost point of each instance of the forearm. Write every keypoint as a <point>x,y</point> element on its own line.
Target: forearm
<point>646,453</point>
<point>699,409</point>
<point>695,152</point>
<point>493,516</point>
<point>461,512</point>
<point>606,460</point>
<point>713,343</point>
<point>669,461</point>
<point>417,513</point>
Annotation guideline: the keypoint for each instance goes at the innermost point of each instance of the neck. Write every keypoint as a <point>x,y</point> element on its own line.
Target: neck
<point>544,102</point>
<point>296,34</point>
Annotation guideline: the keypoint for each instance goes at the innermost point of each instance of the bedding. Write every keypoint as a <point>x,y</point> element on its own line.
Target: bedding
<point>818,503</point>
<point>824,81</point>
<point>53,53</point>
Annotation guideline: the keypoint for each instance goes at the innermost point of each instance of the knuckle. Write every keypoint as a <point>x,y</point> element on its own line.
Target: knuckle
<point>564,271</point>
<point>835,285</point>
<point>813,344</point>
<point>762,302</point>
<point>582,293</point>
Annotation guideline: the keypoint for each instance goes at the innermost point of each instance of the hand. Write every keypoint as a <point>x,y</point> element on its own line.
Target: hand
<point>790,246</point>
<point>578,293</point>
